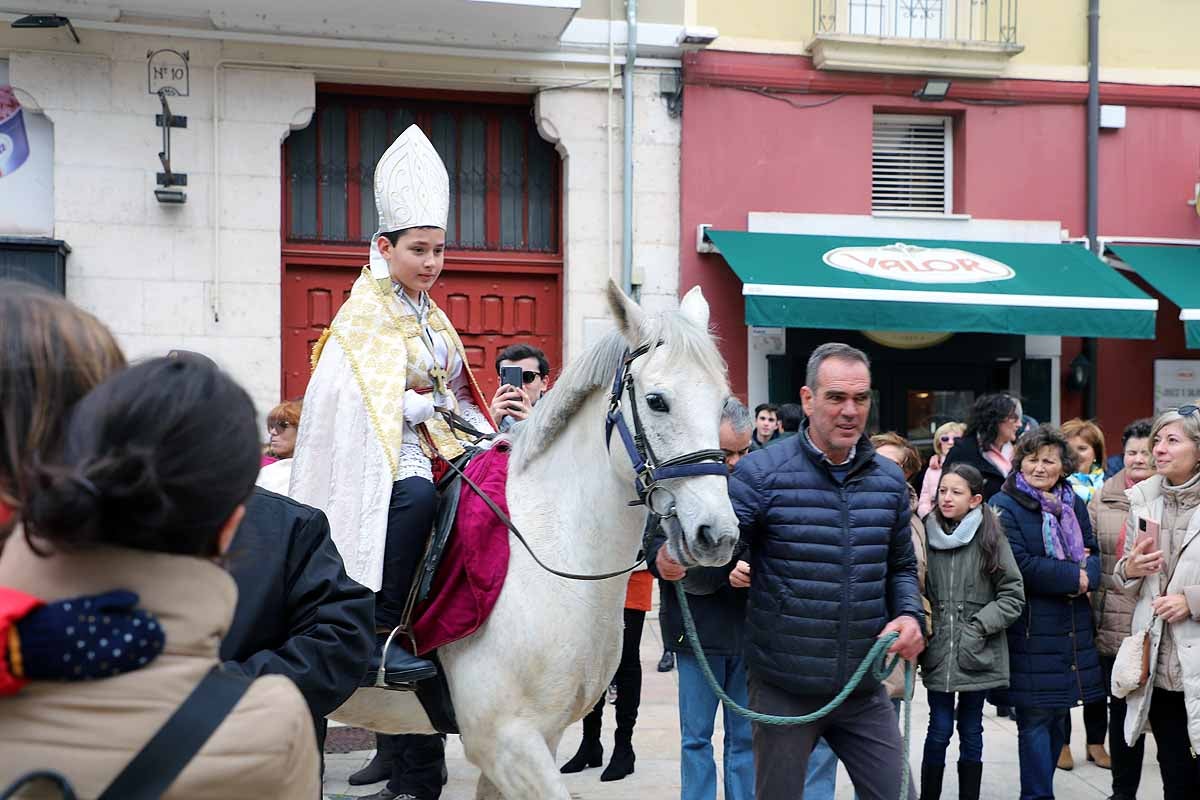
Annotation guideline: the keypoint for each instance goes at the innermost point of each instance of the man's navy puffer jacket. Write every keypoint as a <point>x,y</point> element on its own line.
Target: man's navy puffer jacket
<point>831,563</point>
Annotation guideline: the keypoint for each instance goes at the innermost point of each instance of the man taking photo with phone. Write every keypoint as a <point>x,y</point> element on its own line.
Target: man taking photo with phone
<point>524,371</point>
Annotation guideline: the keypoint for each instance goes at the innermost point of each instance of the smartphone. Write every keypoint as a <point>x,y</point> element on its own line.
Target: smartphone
<point>511,376</point>
<point>1148,529</point>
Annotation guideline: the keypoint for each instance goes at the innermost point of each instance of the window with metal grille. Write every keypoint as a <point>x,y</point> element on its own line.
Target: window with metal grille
<point>504,178</point>
<point>911,164</point>
<point>908,19</point>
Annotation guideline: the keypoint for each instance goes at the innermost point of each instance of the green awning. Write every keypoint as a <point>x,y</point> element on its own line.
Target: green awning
<point>928,285</point>
<point>1175,273</point>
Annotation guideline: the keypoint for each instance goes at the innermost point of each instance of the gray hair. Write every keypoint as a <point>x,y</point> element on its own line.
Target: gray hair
<point>737,415</point>
<point>830,350</point>
<point>1190,424</point>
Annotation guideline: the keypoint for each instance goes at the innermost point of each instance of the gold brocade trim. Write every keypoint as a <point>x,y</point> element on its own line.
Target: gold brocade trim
<point>379,343</point>
<point>393,454</point>
<point>317,349</point>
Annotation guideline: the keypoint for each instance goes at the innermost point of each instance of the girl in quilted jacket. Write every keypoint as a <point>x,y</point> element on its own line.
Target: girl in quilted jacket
<point>976,592</point>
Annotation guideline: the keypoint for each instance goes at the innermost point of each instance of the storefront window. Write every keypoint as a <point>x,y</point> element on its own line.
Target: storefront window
<point>929,408</point>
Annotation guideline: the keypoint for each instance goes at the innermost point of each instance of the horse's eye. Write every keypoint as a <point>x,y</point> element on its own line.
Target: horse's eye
<point>657,403</point>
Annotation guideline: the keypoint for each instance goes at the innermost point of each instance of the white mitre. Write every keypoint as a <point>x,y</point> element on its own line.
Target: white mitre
<point>412,190</point>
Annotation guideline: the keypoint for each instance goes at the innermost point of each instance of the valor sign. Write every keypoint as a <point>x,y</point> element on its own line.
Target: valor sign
<point>915,264</point>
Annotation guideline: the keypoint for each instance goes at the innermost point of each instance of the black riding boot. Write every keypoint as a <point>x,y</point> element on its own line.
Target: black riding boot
<point>380,767</point>
<point>931,780</point>
<point>970,775</point>
<point>409,522</point>
<point>591,751</point>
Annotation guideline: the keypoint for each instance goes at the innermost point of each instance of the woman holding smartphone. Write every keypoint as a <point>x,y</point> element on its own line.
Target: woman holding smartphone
<point>1161,567</point>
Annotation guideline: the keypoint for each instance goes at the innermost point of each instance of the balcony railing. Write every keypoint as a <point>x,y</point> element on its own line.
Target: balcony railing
<point>964,21</point>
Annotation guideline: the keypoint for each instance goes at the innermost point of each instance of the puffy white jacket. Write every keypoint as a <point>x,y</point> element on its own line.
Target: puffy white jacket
<point>1146,502</point>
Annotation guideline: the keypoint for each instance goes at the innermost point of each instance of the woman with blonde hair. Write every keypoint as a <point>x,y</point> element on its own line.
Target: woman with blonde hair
<point>943,439</point>
<point>1161,567</point>
<point>1087,440</point>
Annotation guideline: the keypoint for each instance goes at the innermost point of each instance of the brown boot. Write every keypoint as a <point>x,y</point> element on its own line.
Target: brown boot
<point>1065,760</point>
<point>1099,756</point>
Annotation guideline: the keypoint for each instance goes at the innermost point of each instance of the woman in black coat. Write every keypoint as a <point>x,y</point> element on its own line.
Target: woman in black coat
<point>994,422</point>
<point>1053,660</point>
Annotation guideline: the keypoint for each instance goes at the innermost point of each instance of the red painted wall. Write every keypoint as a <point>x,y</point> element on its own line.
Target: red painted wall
<point>1019,155</point>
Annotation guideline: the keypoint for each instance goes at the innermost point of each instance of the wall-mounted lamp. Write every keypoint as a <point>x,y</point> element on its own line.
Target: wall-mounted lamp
<point>1079,373</point>
<point>46,21</point>
<point>934,90</point>
<point>168,179</point>
<point>170,196</point>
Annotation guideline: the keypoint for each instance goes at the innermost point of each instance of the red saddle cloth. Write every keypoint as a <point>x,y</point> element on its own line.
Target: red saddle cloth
<point>472,571</point>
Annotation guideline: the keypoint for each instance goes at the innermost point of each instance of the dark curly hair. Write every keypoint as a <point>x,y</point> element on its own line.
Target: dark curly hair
<point>1138,429</point>
<point>155,458</point>
<point>1044,435</point>
<point>986,415</point>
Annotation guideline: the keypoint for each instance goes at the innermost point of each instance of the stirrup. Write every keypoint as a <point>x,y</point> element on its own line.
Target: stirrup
<point>405,681</point>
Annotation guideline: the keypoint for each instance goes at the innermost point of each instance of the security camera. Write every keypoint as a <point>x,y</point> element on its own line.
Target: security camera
<point>696,36</point>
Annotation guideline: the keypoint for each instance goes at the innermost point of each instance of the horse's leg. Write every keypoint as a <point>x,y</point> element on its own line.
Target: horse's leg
<point>486,790</point>
<point>523,767</point>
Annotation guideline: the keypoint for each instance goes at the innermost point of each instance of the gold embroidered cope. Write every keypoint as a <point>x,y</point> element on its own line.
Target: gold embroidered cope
<point>387,354</point>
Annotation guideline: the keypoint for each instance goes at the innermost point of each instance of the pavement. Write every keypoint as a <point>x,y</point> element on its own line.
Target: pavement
<point>656,741</point>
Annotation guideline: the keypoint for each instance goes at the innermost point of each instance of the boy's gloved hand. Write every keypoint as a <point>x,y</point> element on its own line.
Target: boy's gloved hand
<point>85,637</point>
<point>418,407</point>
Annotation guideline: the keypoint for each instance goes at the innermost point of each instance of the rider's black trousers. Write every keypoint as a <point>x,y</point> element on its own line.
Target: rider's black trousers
<point>410,518</point>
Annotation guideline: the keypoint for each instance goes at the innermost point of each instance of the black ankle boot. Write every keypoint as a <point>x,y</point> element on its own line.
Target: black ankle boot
<point>379,769</point>
<point>621,763</point>
<point>931,780</point>
<point>589,754</point>
<point>970,775</point>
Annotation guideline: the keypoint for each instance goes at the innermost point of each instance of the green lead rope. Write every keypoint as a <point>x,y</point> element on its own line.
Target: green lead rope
<point>876,661</point>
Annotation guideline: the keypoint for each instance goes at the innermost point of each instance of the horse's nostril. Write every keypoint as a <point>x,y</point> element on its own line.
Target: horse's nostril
<point>704,537</point>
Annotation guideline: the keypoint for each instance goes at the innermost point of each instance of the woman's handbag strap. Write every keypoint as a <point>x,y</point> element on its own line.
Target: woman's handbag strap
<point>155,768</point>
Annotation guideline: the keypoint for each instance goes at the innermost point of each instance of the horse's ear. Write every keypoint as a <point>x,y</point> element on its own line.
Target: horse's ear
<point>631,319</point>
<point>695,307</point>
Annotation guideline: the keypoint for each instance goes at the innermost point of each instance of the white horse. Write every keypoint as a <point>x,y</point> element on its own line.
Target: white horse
<point>551,645</point>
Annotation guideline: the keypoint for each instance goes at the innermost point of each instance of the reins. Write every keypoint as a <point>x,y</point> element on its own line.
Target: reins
<point>648,470</point>
<point>876,661</point>
<point>512,528</point>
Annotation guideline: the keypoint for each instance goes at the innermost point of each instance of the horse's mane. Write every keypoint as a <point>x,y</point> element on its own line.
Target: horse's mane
<point>682,341</point>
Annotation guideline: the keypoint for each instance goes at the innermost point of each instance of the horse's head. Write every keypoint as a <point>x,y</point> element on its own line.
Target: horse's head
<point>679,389</point>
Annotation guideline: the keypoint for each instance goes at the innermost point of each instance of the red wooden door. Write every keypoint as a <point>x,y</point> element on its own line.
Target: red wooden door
<point>492,305</point>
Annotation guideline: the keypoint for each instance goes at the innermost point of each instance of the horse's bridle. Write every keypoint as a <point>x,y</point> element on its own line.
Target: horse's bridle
<point>648,470</point>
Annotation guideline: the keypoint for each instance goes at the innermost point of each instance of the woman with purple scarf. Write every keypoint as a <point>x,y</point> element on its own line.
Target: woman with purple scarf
<point>1053,660</point>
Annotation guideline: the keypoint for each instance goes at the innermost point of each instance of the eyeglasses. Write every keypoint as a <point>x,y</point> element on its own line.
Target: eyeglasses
<point>1188,410</point>
<point>528,376</point>
<point>278,426</point>
<point>947,439</point>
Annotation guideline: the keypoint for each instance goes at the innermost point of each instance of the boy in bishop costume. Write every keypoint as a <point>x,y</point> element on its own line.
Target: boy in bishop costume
<point>371,433</point>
